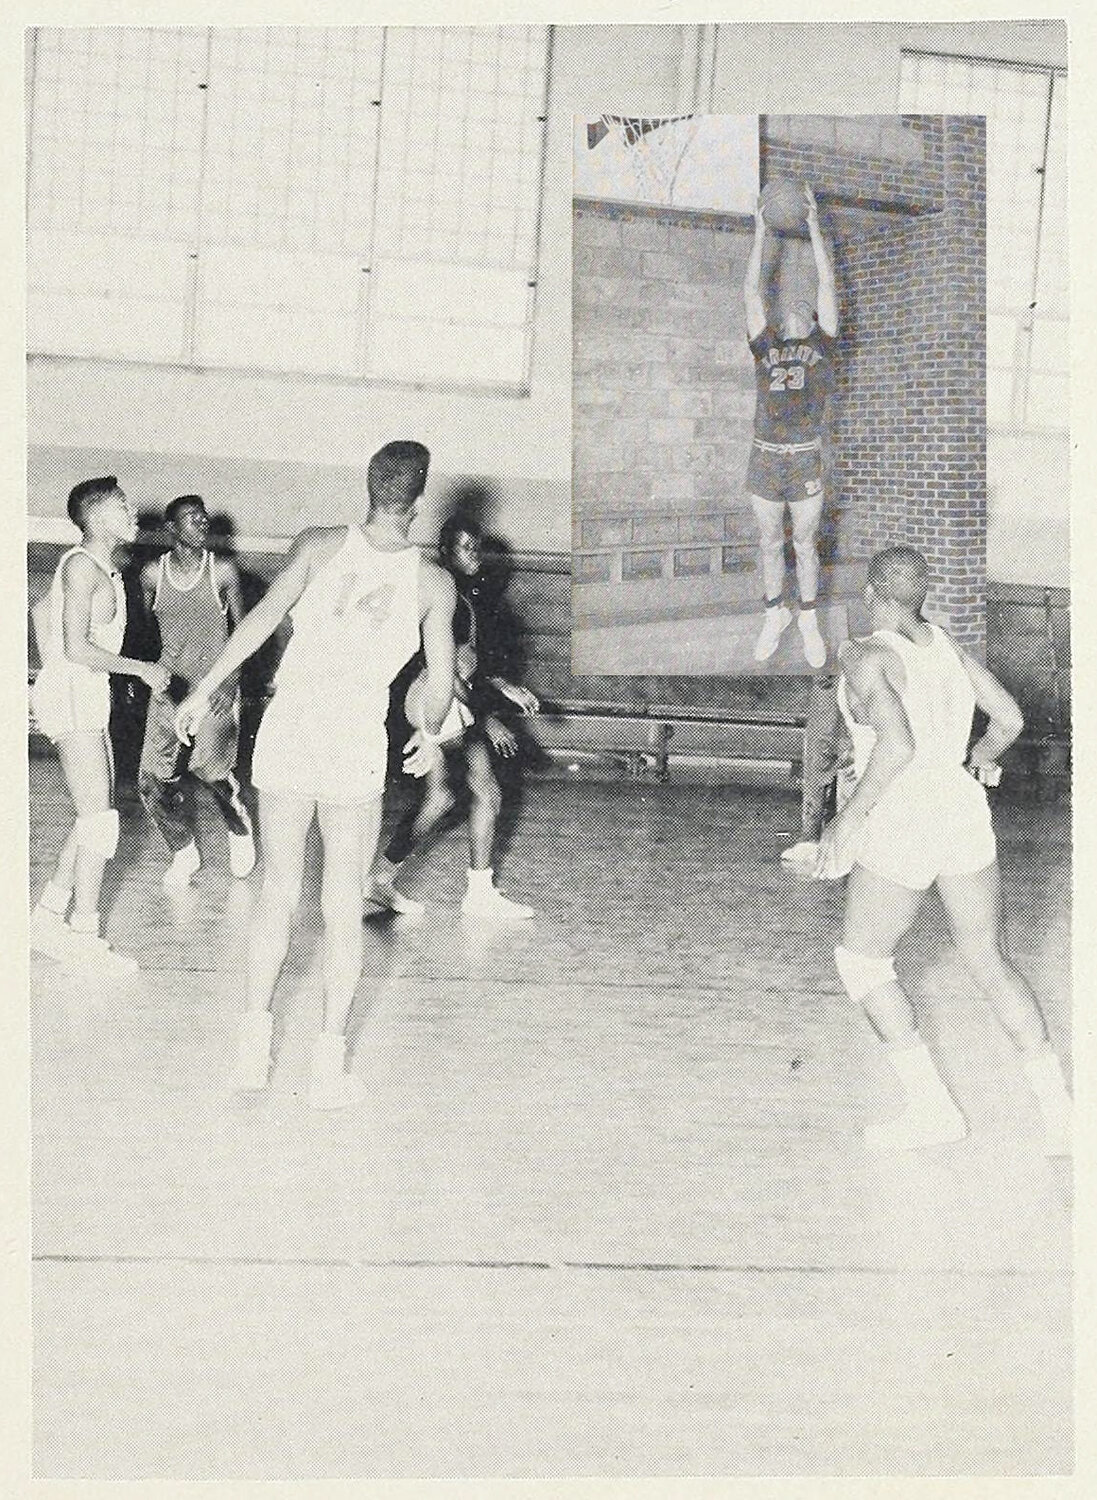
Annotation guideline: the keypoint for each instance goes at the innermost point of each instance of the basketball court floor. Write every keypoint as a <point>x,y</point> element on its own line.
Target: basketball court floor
<point>606,1211</point>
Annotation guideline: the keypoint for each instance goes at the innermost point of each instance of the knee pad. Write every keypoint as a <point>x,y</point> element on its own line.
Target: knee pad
<point>285,890</point>
<point>98,832</point>
<point>861,973</point>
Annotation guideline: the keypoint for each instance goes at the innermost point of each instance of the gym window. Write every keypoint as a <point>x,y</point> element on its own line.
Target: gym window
<point>1027,233</point>
<point>360,202</point>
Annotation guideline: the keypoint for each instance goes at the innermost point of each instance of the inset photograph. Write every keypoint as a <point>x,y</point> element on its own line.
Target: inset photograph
<point>779,364</point>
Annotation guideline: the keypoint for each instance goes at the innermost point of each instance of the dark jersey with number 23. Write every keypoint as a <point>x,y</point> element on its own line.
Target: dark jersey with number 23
<point>792,377</point>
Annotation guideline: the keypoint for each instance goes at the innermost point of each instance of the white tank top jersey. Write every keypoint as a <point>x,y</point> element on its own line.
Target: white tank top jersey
<point>357,622</point>
<point>107,634</point>
<point>938,699</point>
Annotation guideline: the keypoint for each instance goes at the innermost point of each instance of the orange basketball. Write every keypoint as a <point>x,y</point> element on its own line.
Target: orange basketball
<point>784,205</point>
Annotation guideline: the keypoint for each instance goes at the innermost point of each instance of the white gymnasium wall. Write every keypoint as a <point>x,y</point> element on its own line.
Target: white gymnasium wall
<point>302,440</point>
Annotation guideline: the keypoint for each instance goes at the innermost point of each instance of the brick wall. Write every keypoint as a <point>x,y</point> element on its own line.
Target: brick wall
<point>663,382</point>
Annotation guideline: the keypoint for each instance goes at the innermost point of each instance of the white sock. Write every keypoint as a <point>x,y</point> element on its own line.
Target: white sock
<point>55,899</point>
<point>480,881</point>
<point>1045,1075</point>
<point>85,922</point>
<point>919,1076</point>
<point>329,1053</point>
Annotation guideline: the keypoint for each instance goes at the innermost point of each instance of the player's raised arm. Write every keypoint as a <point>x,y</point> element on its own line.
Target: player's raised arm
<point>826,298</point>
<point>752,286</point>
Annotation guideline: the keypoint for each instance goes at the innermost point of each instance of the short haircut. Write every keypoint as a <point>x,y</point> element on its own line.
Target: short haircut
<point>88,493</point>
<point>455,526</point>
<point>397,475</point>
<point>900,574</point>
<point>172,509</point>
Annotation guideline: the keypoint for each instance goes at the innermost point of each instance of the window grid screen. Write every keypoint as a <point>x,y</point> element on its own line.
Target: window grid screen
<point>286,163</point>
<point>292,138</point>
<point>117,131</point>
<point>1027,272</point>
<point>462,123</point>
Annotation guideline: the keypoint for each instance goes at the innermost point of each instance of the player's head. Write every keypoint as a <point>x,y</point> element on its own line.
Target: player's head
<point>396,477</point>
<point>798,320</point>
<point>187,520</point>
<point>899,576</point>
<point>460,545</point>
<point>99,505</point>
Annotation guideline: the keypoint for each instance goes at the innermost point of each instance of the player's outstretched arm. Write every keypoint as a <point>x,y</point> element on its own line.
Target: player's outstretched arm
<point>255,628</point>
<point>752,285</point>
<point>826,297</point>
<point>1005,719</point>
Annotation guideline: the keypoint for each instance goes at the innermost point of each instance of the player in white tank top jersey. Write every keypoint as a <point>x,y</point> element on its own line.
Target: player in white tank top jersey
<point>360,599</point>
<point>919,817</point>
<point>80,631</point>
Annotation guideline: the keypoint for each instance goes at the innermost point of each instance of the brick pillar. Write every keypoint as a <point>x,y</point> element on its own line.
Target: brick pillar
<point>945,414</point>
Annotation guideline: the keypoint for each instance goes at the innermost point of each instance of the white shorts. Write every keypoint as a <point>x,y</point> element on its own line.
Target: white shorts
<point>69,698</point>
<point>324,747</point>
<point>927,825</point>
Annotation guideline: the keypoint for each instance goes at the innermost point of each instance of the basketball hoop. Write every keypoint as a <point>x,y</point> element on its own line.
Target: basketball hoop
<point>656,147</point>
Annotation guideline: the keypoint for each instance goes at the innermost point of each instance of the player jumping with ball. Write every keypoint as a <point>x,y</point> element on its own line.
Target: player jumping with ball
<point>791,367</point>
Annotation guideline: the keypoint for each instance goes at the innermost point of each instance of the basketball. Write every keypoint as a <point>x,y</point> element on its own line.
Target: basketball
<point>784,205</point>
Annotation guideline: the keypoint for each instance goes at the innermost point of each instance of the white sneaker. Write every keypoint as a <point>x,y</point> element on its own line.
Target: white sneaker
<point>241,854</point>
<point>252,1069</point>
<point>492,906</point>
<point>776,621</point>
<point>804,853</point>
<point>929,1125</point>
<point>330,1086</point>
<point>49,933</point>
<point>383,893</point>
<point>815,648</point>
<point>88,951</point>
<point>185,864</point>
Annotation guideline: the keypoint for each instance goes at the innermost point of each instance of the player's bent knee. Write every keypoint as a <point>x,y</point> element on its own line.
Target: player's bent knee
<point>861,973</point>
<point>98,832</point>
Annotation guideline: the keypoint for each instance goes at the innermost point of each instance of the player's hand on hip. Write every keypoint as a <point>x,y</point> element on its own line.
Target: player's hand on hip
<point>501,737</point>
<point>190,714</point>
<point>420,756</point>
<point>986,772</point>
<point>528,702</point>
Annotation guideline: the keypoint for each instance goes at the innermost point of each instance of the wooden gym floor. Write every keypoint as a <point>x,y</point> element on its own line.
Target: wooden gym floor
<point>606,1211</point>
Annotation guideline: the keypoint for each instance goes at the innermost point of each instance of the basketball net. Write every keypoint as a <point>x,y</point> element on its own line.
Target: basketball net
<point>657,148</point>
